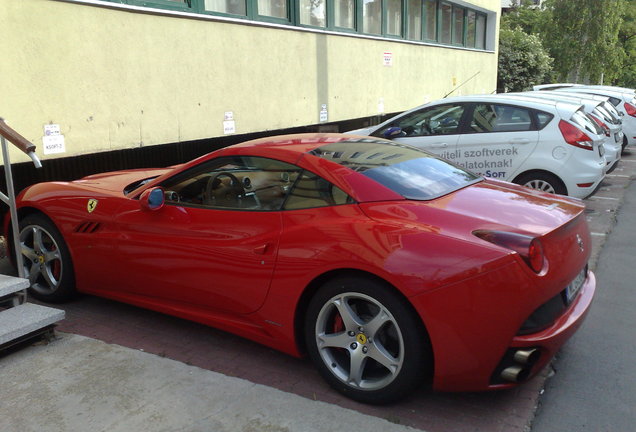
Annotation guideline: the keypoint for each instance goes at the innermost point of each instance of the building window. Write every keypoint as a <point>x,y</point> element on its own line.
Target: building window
<point>394,17</point>
<point>446,23</point>
<point>436,21</point>
<point>480,33</point>
<point>470,29</point>
<point>414,20</point>
<point>272,8</point>
<point>313,13</point>
<point>233,7</point>
<point>431,19</point>
<point>458,26</point>
<point>372,16</point>
<point>344,14</point>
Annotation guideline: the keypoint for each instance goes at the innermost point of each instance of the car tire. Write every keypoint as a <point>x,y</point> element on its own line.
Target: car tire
<point>542,181</point>
<point>624,144</point>
<point>47,261</point>
<point>362,319</point>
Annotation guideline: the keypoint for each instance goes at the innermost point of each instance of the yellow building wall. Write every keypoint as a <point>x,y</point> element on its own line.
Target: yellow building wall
<point>115,79</point>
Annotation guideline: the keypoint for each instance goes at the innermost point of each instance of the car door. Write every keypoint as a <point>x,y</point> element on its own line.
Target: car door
<point>499,138</point>
<point>433,128</point>
<point>213,244</point>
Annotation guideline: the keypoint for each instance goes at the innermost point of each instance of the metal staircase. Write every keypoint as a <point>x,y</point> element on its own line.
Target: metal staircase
<point>19,320</point>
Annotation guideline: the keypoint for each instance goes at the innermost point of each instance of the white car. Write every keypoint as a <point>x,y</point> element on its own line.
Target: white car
<point>622,98</point>
<point>548,145</point>
<point>596,108</point>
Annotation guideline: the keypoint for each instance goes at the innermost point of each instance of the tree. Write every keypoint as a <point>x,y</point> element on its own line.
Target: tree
<point>523,62</point>
<point>527,16</point>
<point>582,37</point>
<point>627,40</point>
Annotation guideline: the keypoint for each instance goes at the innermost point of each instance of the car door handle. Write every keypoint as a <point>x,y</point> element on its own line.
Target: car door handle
<point>262,249</point>
<point>439,145</point>
<point>520,141</point>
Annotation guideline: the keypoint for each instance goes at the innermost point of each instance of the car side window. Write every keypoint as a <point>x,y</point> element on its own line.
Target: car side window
<point>500,118</point>
<point>238,183</point>
<point>437,120</point>
<point>543,118</point>
<point>311,190</point>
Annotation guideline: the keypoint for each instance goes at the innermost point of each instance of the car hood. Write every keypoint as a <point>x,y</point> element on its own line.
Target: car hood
<point>116,181</point>
<point>491,204</point>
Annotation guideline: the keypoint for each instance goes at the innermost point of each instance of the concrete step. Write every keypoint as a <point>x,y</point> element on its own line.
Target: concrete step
<point>25,319</point>
<point>12,284</point>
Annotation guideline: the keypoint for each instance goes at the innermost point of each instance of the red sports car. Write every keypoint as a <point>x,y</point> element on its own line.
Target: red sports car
<point>386,265</point>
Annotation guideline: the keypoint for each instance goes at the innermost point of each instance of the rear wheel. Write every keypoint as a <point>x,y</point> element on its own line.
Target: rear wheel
<point>47,262</point>
<point>542,181</point>
<point>365,341</point>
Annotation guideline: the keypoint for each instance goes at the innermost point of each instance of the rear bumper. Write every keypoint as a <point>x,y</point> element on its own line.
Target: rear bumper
<point>471,353</point>
<point>549,340</point>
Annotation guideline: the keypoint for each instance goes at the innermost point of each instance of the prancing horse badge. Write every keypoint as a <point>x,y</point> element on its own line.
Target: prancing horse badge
<point>92,203</point>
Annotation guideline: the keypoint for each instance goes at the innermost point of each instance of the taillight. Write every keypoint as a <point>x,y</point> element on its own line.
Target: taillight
<point>575,136</point>
<point>529,248</point>
<point>601,124</point>
<point>630,109</point>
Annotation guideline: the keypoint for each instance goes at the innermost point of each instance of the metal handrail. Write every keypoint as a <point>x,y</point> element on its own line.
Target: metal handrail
<point>8,134</point>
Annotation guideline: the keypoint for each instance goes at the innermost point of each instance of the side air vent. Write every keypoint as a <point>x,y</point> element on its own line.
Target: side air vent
<point>88,227</point>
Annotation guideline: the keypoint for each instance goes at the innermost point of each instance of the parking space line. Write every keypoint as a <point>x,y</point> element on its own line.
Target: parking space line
<point>618,175</point>
<point>598,234</point>
<point>592,198</point>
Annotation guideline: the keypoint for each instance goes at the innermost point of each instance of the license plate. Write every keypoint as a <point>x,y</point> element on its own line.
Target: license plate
<point>575,286</point>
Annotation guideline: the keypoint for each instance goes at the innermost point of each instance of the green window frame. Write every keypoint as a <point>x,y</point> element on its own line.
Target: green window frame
<point>440,22</point>
<point>177,5</point>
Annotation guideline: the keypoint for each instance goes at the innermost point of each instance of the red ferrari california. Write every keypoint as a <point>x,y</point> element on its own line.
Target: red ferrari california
<point>388,266</point>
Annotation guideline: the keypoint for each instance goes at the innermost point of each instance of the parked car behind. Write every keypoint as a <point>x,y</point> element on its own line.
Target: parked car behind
<point>594,106</point>
<point>622,98</point>
<point>548,145</point>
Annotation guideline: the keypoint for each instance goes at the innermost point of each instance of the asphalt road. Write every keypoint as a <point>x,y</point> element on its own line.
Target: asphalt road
<point>594,385</point>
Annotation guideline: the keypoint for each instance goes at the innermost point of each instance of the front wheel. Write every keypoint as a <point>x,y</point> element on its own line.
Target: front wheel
<point>542,181</point>
<point>47,261</point>
<point>365,341</point>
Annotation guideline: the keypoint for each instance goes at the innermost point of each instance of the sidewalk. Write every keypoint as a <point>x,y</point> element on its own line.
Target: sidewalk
<point>115,367</point>
<point>78,384</point>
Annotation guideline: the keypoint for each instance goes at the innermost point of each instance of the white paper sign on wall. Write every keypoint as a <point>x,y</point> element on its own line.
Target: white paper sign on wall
<point>53,140</point>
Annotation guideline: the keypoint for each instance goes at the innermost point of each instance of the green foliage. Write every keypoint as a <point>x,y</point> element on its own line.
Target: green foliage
<point>627,40</point>
<point>532,20</point>
<point>523,62</point>
<point>582,36</point>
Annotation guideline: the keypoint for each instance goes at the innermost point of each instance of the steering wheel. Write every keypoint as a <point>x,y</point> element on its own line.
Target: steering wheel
<point>224,193</point>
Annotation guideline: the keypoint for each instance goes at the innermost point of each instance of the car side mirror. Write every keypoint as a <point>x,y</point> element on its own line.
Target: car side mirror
<point>152,199</point>
<point>392,132</point>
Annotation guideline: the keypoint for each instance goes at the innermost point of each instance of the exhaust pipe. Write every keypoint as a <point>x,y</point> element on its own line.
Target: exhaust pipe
<point>515,373</point>
<point>527,357</point>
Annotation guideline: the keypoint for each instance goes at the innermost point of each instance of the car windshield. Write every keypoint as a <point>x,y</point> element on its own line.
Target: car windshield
<point>409,171</point>
<point>133,186</point>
